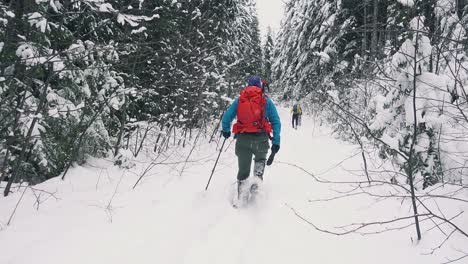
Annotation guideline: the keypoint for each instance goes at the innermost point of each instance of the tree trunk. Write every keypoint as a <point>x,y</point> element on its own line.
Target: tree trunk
<point>136,140</point>
<point>411,161</point>
<point>20,104</point>
<point>123,119</point>
<point>375,32</point>
<point>19,160</point>
<point>142,140</point>
<point>460,6</point>
<point>364,32</point>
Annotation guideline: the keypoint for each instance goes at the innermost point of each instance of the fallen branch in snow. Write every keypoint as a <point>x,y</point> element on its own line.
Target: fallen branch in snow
<point>442,243</point>
<point>17,204</point>
<point>191,151</point>
<point>457,259</point>
<point>164,162</point>
<point>363,188</point>
<point>337,164</point>
<point>357,226</point>
<point>320,180</point>
<point>38,197</point>
<point>390,195</point>
<point>99,178</point>
<point>149,168</point>
<point>375,183</point>
<point>109,207</point>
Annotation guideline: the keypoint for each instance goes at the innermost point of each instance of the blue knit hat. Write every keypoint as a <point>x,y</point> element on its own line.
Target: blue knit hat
<point>255,81</point>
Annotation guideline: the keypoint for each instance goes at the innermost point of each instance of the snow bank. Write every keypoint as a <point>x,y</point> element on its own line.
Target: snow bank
<point>95,216</point>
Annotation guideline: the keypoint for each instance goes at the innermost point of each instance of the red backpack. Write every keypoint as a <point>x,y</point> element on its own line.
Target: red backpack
<point>251,112</point>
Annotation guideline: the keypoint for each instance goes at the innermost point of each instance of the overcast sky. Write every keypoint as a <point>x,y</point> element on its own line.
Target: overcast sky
<point>270,13</point>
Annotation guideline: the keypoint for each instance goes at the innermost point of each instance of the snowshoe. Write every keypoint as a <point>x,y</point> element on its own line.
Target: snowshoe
<point>247,193</point>
<point>254,188</point>
<point>242,197</point>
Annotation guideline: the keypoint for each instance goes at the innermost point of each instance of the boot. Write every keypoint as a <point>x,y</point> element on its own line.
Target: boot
<point>242,194</point>
<point>259,169</point>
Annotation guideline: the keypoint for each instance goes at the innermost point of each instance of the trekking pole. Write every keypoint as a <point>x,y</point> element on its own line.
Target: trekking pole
<point>216,163</point>
<point>227,148</point>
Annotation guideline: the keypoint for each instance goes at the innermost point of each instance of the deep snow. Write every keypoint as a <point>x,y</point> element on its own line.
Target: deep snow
<point>96,216</point>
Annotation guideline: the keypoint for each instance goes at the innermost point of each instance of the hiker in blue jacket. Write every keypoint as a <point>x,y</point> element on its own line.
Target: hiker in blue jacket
<point>257,118</point>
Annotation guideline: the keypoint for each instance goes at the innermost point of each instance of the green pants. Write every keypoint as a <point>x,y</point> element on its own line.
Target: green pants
<point>248,145</point>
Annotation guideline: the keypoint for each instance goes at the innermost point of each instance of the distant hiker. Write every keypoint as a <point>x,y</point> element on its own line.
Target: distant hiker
<point>299,119</point>
<point>296,114</point>
<point>257,117</point>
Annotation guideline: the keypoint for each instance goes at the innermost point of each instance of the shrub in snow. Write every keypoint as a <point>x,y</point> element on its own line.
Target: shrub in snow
<point>124,159</point>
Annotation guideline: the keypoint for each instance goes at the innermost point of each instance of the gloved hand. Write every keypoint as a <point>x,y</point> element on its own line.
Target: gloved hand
<point>226,134</point>
<point>275,148</point>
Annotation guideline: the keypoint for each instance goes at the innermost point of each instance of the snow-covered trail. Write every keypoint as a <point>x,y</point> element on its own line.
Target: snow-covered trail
<point>171,219</point>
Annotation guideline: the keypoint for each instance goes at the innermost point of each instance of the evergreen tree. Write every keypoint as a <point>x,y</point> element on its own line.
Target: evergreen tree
<point>268,54</point>
<point>313,46</point>
<point>78,77</point>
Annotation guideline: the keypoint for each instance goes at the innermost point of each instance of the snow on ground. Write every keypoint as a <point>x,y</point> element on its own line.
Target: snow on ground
<point>96,217</point>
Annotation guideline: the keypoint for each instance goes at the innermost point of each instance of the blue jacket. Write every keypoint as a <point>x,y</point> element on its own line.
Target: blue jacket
<point>271,115</point>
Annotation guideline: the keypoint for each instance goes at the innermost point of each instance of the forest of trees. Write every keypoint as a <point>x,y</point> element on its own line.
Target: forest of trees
<point>386,50</point>
<point>391,77</point>
<point>93,78</point>
<point>78,78</point>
